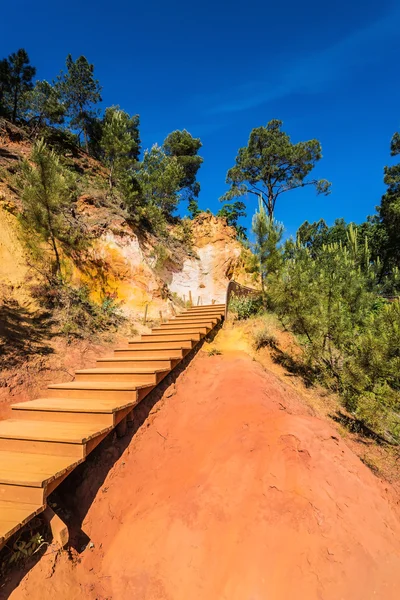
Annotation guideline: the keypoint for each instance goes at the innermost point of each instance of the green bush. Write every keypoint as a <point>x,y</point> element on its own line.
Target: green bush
<point>244,306</point>
<point>350,335</point>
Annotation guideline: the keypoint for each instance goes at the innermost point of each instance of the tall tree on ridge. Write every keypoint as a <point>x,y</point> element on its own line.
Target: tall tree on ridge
<point>120,143</point>
<point>389,209</point>
<point>44,105</point>
<point>4,84</point>
<point>185,147</point>
<point>16,74</point>
<point>232,213</point>
<point>271,164</point>
<point>80,91</point>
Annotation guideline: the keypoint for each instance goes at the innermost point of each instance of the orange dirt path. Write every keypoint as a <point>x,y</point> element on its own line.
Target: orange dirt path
<point>232,492</point>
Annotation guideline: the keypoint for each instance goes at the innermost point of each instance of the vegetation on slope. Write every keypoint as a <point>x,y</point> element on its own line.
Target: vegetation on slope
<point>337,289</point>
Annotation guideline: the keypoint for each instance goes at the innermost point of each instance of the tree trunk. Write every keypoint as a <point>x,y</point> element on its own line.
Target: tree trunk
<point>14,114</point>
<point>58,261</point>
<point>86,139</point>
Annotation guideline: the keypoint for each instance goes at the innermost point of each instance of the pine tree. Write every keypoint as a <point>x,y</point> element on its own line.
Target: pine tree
<point>232,213</point>
<point>16,74</point>
<point>158,179</point>
<point>271,165</point>
<point>389,209</point>
<point>4,85</point>
<point>47,192</point>
<point>184,147</point>
<point>120,144</point>
<point>80,91</point>
<point>193,208</point>
<point>44,105</point>
<point>268,234</point>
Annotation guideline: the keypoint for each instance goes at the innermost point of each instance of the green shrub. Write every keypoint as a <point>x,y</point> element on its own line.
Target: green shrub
<point>161,255</point>
<point>244,306</point>
<point>350,335</point>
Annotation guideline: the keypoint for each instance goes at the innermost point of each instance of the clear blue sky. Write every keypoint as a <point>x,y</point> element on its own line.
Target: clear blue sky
<point>329,70</point>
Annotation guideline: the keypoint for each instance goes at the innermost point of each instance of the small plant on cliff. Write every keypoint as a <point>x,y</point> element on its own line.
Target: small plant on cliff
<point>48,220</point>
<point>264,338</point>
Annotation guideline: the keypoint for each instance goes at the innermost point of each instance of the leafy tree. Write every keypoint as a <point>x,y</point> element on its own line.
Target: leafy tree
<point>158,179</point>
<point>185,147</point>
<point>16,74</point>
<point>271,164</point>
<point>120,144</point>
<point>232,213</point>
<point>47,194</point>
<point>44,105</point>
<point>80,91</point>
<point>389,209</point>
<point>268,233</point>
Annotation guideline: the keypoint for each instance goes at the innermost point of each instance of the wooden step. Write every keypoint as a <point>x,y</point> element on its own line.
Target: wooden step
<point>169,328</point>
<point>204,313</point>
<point>44,437</point>
<point>33,470</point>
<point>14,515</point>
<point>171,337</point>
<point>139,375</point>
<point>114,362</point>
<point>100,412</point>
<point>197,318</point>
<point>203,316</point>
<point>141,353</point>
<point>207,308</point>
<point>188,322</point>
<point>157,345</point>
<point>123,392</point>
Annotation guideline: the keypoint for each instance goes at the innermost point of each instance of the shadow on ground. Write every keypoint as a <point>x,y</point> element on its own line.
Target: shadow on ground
<point>22,333</point>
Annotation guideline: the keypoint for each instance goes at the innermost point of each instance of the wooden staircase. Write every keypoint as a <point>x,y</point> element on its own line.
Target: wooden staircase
<point>48,437</point>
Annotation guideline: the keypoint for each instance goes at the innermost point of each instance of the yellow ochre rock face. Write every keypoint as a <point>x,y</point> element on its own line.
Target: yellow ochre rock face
<point>126,265</point>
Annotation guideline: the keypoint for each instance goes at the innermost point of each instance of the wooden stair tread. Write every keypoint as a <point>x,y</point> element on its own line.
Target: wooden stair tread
<point>20,468</point>
<point>176,330</point>
<point>14,515</point>
<point>73,405</point>
<point>139,343</point>
<point>50,431</point>
<point>123,386</point>
<point>136,358</point>
<point>122,371</point>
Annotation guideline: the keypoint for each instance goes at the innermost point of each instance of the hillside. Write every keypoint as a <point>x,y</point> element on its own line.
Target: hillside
<point>124,264</point>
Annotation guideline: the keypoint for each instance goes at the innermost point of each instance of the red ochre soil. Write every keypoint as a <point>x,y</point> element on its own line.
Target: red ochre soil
<point>231,490</point>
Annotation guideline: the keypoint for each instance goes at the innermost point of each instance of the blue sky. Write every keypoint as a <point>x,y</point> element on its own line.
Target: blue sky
<point>329,70</point>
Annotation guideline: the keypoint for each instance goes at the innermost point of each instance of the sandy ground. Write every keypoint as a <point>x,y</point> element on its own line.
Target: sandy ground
<point>230,490</point>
